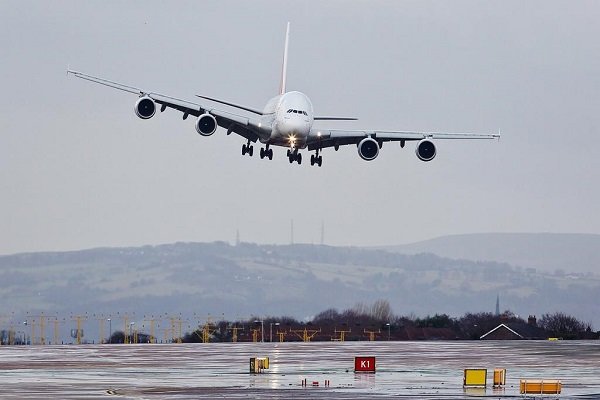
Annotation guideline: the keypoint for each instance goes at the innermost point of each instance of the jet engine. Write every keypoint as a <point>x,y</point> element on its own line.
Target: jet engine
<point>425,150</point>
<point>368,149</point>
<point>145,107</point>
<point>206,124</point>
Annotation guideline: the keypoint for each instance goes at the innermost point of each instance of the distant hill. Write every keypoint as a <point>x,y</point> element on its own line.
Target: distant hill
<point>545,251</point>
<point>239,282</point>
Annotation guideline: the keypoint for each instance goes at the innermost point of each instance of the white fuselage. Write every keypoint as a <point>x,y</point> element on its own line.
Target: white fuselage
<point>291,117</point>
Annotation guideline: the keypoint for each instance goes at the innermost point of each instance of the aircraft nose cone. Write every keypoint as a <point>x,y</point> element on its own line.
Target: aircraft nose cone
<point>294,127</point>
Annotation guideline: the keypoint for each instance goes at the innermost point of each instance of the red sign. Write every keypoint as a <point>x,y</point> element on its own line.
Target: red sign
<point>364,364</point>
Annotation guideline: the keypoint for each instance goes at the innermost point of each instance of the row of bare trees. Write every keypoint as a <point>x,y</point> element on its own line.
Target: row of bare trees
<point>379,317</point>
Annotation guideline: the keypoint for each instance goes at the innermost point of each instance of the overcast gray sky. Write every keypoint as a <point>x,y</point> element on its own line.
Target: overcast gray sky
<point>78,169</point>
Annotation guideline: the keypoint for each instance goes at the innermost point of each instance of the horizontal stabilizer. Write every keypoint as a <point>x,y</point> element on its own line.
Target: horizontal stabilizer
<point>335,119</point>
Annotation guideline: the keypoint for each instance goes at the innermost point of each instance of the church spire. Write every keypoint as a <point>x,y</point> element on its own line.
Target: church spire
<point>497,305</point>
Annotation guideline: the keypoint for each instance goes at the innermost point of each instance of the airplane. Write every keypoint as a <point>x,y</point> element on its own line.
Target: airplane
<point>286,120</point>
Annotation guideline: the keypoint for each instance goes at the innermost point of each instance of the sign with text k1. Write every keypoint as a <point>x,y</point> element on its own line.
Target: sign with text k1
<point>364,364</point>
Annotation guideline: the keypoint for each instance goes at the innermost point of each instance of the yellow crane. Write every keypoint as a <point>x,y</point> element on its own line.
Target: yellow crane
<point>281,335</point>
<point>372,334</point>
<point>342,334</point>
<point>56,322</point>
<point>255,334</point>
<point>207,330</point>
<point>152,322</point>
<point>125,329</point>
<point>234,332</point>
<point>177,335</point>
<point>101,320</point>
<point>79,333</point>
<point>305,334</point>
<point>31,320</point>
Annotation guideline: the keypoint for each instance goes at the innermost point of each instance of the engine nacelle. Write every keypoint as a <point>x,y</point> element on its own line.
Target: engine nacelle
<point>145,107</point>
<point>206,124</point>
<point>425,150</point>
<point>368,149</point>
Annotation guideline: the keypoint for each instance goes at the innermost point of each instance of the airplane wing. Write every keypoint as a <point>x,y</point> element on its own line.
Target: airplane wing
<point>241,125</point>
<point>322,138</point>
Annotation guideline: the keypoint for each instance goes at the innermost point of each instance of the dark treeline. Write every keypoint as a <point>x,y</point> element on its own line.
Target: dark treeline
<point>377,322</point>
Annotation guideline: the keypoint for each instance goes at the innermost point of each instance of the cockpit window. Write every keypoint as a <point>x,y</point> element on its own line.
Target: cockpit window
<point>297,112</point>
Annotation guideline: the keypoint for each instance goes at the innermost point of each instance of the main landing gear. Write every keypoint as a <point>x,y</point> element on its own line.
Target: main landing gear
<point>266,152</point>
<point>316,159</point>
<point>249,149</point>
<point>293,155</point>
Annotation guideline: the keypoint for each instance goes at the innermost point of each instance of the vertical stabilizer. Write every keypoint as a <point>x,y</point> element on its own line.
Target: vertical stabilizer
<point>285,56</point>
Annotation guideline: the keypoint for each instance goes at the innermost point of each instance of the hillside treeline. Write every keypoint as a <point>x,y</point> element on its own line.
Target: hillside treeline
<point>377,322</point>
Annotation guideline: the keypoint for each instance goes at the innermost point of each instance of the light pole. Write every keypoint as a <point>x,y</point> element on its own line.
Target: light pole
<point>389,330</point>
<point>109,330</point>
<point>24,332</point>
<point>271,330</point>
<point>131,324</point>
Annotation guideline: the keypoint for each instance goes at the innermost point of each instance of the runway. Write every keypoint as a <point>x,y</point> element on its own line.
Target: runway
<point>425,370</point>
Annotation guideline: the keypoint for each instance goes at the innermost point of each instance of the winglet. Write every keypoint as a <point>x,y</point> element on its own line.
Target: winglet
<point>285,57</point>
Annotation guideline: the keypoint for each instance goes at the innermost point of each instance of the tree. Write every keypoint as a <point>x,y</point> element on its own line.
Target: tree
<point>328,316</point>
<point>382,311</point>
<point>563,325</point>
<point>437,321</point>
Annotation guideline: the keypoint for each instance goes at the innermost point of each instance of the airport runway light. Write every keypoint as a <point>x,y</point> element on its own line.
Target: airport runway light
<point>109,330</point>
<point>389,330</point>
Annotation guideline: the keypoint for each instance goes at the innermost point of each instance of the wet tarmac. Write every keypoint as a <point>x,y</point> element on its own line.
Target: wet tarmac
<point>424,370</point>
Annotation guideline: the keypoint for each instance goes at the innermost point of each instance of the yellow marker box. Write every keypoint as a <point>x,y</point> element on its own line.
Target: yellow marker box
<point>499,377</point>
<point>475,377</point>
<point>529,386</point>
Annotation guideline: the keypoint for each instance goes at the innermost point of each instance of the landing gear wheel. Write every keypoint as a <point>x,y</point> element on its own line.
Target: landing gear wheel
<point>299,158</point>
<point>270,155</point>
<point>320,160</point>
<point>291,158</point>
<point>312,159</point>
<point>244,149</point>
<point>251,150</point>
<point>262,153</point>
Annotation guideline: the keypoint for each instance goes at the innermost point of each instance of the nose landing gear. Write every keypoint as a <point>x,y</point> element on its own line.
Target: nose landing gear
<point>266,152</point>
<point>293,155</point>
